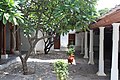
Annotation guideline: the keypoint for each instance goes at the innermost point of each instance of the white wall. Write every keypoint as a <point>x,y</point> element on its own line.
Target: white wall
<point>77,41</point>
<point>63,42</point>
<point>40,44</point>
<point>71,32</point>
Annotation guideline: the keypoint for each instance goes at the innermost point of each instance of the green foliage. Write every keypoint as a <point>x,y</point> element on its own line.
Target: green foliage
<point>9,12</point>
<point>71,50</point>
<point>78,13</point>
<point>58,16</point>
<point>61,69</point>
<point>103,11</point>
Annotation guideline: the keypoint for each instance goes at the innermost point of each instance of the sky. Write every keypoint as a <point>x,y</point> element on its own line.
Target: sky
<point>107,4</point>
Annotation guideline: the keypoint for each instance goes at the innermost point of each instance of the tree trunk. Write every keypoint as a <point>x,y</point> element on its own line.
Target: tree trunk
<point>48,45</point>
<point>24,66</point>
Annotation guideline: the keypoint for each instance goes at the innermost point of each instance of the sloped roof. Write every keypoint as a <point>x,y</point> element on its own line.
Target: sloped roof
<point>113,16</point>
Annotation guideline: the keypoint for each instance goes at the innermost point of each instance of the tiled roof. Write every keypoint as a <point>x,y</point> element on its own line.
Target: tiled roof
<point>113,16</point>
<point>117,7</point>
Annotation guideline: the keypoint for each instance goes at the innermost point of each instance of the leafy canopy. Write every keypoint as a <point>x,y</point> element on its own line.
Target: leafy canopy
<point>103,11</point>
<point>9,12</point>
<point>58,16</point>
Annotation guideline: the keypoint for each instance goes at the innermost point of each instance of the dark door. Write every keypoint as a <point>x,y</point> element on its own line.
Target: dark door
<point>71,39</point>
<point>57,42</point>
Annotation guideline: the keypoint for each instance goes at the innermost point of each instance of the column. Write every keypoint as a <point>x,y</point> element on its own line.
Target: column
<point>86,47</point>
<point>114,68</point>
<point>1,37</point>
<point>91,61</point>
<point>11,38</point>
<point>101,53</point>
<point>4,55</point>
<point>17,38</point>
<point>82,42</point>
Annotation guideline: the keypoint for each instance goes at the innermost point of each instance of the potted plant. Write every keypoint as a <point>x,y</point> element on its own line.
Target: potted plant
<point>61,69</point>
<point>70,52</point>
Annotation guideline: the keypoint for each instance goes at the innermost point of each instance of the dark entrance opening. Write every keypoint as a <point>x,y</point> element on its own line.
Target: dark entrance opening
<point>108,43</point>
<point>71,39</point>
<point>57,42</point>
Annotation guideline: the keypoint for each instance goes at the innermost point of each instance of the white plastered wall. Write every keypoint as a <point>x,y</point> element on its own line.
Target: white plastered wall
<point>63,42</point>
<point>40,45</point>
<point>77,41</point>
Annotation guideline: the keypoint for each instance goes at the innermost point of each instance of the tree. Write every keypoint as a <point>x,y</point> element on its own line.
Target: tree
<point>58,17</point>
<point>54,18</point>
<point>9,12</point>
<point>51,17</point>
<point>103,11</point>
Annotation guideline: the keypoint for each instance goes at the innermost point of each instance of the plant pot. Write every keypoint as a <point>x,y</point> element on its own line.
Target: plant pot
<point>70,59</point>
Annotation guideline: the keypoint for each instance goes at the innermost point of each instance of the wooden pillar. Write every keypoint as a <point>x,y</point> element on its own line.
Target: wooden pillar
<point>17,38</point>
<point>11,38</point>
<point>4,55</point>
<point>4,39</point>
<point>1,37</point>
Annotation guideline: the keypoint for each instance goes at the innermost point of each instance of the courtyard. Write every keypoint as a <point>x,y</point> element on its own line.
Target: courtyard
<point>41,68</point>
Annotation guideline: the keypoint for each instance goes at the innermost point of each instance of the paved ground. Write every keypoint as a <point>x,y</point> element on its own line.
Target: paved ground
<point>43,69</point>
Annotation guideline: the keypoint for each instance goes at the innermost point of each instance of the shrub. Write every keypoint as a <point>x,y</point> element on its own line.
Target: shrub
<point>71,51</point>
<point>61,69</point>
